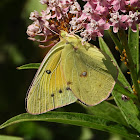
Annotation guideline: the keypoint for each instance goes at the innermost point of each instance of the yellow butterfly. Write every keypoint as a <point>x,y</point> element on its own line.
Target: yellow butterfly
<point>70,71</point>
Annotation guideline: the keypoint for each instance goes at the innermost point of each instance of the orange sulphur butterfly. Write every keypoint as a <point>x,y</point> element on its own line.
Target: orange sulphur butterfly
<point>70,71</point>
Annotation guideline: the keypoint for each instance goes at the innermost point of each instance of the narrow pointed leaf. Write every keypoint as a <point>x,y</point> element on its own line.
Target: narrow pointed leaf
<point>29,66</point>
<point>133,44</point>
<point>78,119</point>
<point>128,109</point>
<point>116,41</point>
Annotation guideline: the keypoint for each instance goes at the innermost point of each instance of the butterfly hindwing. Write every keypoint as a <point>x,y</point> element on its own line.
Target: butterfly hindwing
<point>49,89</point>
<point>91,73</point>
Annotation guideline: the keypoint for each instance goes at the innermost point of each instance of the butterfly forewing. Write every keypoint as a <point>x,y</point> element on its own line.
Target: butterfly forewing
<point>49,88</point>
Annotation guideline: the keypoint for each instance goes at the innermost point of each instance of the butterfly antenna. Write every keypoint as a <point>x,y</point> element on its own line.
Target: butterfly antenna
<point>80,27</point>
<point>77,31</point>
<point>53,31</point>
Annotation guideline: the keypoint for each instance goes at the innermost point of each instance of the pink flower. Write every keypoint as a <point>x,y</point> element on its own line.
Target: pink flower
<point>34,29</point>
<point>101,10</point>
<point>94,29</point>
<point>34,15</point>
<point>46,14</point>
<point>133,19</point>
<point>88,8</point>
<point>58,15</point>
<point>96,16</point>
<point>112,12</point>
<point>75,8</point>
<point>134,2</point>
<point>44,1</point>
<point>118,21</point>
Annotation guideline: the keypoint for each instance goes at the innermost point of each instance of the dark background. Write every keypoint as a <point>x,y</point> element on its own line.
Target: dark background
<point>16,50</point>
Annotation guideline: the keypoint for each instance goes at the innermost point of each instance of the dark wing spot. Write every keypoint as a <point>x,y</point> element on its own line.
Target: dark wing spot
<point>68,83</point>
<point>48,71</point>
<point>52,95</point>
<point>83,74</point>
<point>60,91</point>
<point>68,88</point>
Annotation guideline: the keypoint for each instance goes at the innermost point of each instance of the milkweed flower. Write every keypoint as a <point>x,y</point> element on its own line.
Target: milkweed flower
<point>96,16</point>
<point>47,25</point>
<point>119,14</point>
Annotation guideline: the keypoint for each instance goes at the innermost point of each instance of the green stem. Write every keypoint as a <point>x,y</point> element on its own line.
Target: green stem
<point>130,65</point>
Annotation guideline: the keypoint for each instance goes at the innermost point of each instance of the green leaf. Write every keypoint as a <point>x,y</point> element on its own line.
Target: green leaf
<point>29,66</point>
<point>107,111</point>
<point>115,40</point>
<point>133,44</point>
<point>78,119</point>
<point>3,137</point>
<point>128,109</point>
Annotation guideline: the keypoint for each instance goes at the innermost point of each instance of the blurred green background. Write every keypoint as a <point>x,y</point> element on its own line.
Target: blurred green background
<point>16,50</point>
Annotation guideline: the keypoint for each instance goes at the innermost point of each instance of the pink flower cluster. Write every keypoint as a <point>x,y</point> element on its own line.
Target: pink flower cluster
<point>96,16</point>
<point>46,28</point>
<point>100,15</point>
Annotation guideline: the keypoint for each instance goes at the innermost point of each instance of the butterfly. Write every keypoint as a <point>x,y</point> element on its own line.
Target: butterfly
<point>71,71</point>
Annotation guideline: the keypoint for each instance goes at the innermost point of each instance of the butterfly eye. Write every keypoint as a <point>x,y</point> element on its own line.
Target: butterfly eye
<point>48,71</point>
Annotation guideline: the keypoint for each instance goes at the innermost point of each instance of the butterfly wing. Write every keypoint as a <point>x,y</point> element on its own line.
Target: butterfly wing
<point>89,71</point>
<point>49,88</point>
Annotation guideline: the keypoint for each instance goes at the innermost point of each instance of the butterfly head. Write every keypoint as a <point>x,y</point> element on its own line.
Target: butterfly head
<point>74,40</point>
<point>71,39</point>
